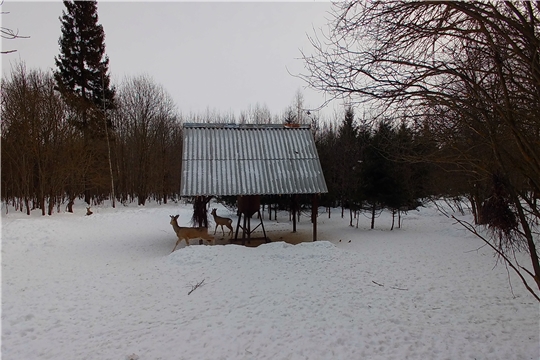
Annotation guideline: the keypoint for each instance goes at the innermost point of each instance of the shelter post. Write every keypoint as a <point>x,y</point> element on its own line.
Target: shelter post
<point>314,213</point>
<point>293,210</point>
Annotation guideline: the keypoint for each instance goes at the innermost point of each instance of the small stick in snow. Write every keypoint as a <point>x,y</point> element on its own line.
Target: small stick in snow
<point>391,287</point>
<point>396,288</point>
<point>194,287</point>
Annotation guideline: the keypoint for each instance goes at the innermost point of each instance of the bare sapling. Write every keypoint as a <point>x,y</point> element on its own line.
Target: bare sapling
<point>222,221</point>
<point>187,233</point>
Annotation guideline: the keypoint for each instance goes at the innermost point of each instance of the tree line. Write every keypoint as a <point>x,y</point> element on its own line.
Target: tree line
<point>48,161</point>
<point>367,166</point>
<point>70,133</point>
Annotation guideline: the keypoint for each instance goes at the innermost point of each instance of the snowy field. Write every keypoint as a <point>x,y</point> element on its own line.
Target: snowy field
<point>107,287</point>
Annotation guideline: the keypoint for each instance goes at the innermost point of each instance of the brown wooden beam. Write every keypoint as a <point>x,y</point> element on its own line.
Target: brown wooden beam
<point>314,213</point>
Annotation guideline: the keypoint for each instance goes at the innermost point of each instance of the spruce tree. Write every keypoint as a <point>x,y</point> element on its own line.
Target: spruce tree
<point>380,185</point>
<point>348,162</point>
<point>83,80</point>
<point>82,65</point>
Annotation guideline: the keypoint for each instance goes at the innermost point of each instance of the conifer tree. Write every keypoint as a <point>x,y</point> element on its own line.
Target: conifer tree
<point>348,149</point>
<point>82,65</point>
<point>83,80</point>
<point>379,183</point>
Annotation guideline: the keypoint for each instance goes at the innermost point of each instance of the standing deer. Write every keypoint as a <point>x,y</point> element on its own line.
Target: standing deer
<point>187,233</point>
<point>222,221</point>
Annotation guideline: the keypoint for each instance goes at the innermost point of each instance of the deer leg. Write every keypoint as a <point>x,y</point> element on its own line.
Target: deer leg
<point>215,229</point>
<point>176,245</point>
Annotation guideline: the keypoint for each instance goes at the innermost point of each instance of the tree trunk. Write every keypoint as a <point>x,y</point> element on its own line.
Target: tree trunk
<point>141,199</point>
<point>51,205</point>
<point>71,202</point>
<point>373,216</point>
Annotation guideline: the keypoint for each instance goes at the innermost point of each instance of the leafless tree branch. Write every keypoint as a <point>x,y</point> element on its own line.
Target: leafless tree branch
<point>9,34</point>
<point>499,252</point>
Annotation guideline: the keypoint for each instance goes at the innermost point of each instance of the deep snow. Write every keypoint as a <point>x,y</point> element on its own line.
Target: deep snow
<point>106,287</point>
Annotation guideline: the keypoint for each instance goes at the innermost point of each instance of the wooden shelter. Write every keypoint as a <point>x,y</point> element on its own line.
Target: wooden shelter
<point>249,161</point>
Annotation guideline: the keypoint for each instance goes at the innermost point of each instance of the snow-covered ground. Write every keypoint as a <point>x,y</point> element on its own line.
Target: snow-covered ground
<point>107,287</point>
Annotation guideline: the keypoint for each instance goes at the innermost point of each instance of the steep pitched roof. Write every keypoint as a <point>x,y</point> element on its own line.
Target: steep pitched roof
<point>229,159</point>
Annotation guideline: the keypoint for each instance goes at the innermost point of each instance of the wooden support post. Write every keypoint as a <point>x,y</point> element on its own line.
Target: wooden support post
<point>237,226</point>
<point>244,231</point>
<point>293,210</point>
<point>314,213</point>
<point>248,229</point>
<point>264,231</point>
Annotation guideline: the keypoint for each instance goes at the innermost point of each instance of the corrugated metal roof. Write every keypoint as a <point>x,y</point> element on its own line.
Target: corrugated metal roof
<point>229,159</point>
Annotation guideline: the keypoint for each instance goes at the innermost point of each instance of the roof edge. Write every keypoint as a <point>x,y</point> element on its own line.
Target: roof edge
<point>244,126</point>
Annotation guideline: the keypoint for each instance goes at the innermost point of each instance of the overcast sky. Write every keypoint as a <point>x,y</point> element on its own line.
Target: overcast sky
<point>218,56</point>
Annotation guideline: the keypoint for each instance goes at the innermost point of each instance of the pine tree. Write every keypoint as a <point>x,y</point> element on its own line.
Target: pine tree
<point>82,64</point>
<point>83,80</point>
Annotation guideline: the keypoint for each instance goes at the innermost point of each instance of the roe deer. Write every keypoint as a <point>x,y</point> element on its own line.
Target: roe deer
<point>222,221</point>
<point>187,233</point>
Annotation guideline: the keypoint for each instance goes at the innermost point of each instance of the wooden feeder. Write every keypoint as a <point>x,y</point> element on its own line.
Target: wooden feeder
<point>248,205</point>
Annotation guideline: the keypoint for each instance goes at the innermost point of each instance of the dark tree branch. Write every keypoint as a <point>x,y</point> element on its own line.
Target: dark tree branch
<point>196,286</point>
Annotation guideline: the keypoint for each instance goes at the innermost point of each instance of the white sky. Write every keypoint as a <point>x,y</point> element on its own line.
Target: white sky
<point>223,57</point>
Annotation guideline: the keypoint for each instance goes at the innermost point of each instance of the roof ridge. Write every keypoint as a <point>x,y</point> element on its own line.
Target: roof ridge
<point>245,126</point>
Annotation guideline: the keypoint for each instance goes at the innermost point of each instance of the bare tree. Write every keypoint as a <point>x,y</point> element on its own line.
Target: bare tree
<point>40,153</point>
<point>258,114</point>
<point>145,119</point>
<point>467,71</point>
<point>296,112</point>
